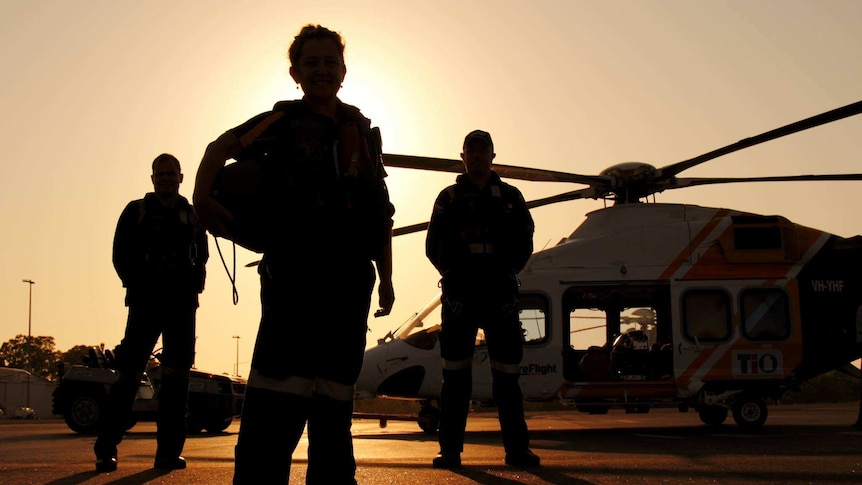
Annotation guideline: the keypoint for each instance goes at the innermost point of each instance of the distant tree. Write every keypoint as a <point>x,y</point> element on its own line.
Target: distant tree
<point>832,386</point>
<point>39,357</point>
<point>76,354</point>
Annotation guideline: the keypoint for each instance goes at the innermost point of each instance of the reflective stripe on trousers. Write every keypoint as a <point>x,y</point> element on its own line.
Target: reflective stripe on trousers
<point>301,386</point>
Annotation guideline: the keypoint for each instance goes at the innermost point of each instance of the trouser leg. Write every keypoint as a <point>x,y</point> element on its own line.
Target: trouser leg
<point>270,428</point>
<point>118,405</point>
<point>330,444</point>
<point>178,338</point>
<point>171,418</point>
<point>130,359</point>
<point>454,407</point>
<point>510,408</point>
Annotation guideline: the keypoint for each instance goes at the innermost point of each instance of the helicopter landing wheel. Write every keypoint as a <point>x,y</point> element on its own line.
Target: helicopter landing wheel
<point>749,411</point>
<point>429,419</point>
<point>712,415</point>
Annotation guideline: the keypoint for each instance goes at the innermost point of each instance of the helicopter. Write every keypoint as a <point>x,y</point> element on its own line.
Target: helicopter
<point>647,305</point>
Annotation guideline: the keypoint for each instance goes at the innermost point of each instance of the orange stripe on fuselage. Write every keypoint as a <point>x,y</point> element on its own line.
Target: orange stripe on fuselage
<point>695,365</point>
<point>713,265</point>
<point>678,262</point>
<point>683,256</point>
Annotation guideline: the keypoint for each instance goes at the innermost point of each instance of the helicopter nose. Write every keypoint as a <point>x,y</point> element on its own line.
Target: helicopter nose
<point>373,370</point>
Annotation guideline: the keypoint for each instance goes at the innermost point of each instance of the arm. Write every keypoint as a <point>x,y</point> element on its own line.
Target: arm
<point>213,216</point>
<point>523,229</point>
<point>202,242</point>
<point>385,290</point>
<point>128,262</point>
<point>435,245</point>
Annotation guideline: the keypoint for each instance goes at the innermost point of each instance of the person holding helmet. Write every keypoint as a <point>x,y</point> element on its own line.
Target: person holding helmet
<point>330,217</point>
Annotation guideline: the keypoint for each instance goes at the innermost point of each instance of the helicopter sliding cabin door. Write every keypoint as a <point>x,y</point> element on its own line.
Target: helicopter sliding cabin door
<point>736,332</point>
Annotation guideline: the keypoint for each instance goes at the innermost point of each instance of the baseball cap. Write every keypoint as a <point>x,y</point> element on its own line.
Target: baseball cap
<point>479,135</point>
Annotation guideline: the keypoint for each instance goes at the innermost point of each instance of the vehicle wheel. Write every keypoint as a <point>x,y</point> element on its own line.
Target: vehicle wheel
<point>217,426</point>
<point>636,409</point>
<point>593,408</point>
<point>749,411</point>
<point>712,415</point>
<point>429,419</point>
<point>194,425</point>
<point>84,413</point>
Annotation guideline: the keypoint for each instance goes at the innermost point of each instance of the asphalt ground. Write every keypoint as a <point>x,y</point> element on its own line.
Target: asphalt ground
<point>800,444</point>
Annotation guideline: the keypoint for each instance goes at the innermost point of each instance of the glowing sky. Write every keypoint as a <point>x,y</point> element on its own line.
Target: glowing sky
<point>92,91</point>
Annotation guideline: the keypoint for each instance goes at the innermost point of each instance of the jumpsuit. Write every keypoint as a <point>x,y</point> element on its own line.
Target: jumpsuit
<point>330,217</point>
<point>160,254</point>
<point>479,239</point>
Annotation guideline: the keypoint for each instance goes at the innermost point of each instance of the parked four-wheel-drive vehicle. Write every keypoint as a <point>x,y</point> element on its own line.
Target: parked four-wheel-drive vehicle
<point>214,400</point>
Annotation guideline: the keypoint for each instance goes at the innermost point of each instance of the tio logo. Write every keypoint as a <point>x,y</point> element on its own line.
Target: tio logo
<point>754,363</point>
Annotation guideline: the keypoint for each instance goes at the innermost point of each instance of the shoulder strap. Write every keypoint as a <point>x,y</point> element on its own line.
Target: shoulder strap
<point>187,216</point>
<point>142,210</point>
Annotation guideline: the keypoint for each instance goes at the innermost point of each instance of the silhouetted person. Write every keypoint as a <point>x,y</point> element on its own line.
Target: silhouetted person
<point>479,238</point>
<point>331,217</point>
<point>160,254</point>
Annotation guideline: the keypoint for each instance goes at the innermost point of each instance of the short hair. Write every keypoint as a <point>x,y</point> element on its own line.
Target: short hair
<point>309,32</point>
<point>167,157</point>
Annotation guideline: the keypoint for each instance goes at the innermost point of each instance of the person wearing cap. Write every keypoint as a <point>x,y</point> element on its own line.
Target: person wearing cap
<point>479,238</point>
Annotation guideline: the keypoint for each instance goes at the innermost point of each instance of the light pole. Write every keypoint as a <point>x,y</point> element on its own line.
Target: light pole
<point>29,336</point>
<point>236,366</point>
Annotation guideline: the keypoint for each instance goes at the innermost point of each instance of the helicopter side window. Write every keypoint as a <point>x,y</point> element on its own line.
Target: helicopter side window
<point>533,315</point>
<point>587,328</point>
<point>765,314</point>
<point>706,315</point>
<point>638,324</point>
<point>532,324</point>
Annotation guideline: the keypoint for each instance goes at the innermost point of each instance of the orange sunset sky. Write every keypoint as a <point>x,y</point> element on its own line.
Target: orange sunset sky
<point>92,90</point>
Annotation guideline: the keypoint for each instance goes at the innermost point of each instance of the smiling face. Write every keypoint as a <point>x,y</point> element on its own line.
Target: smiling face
<point>319,70</point>
<point>166,177</point>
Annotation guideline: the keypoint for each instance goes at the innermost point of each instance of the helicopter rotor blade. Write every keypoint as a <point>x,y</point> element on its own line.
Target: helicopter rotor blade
<point>575,194</point>
<point>400,231</point>
<point>423,163</point>
<point>505,171</point>
<point>587,193</point>
<point>540,175</point>
<point>692,182</point>
<point>814,121</point>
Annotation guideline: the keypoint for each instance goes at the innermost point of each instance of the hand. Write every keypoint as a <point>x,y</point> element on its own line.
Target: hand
<point>386,297</point>
<point>213,216</point>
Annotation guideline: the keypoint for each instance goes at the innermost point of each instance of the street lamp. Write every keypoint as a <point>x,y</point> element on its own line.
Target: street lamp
<point>236,366</point>
<point>29,336</point>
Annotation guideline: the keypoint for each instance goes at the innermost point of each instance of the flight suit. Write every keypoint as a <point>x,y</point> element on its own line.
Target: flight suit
<point>330,217</point>
<point>479,239</point>
<point>160,254</point>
